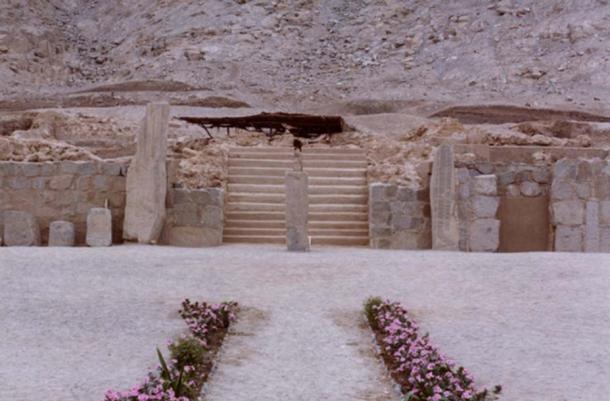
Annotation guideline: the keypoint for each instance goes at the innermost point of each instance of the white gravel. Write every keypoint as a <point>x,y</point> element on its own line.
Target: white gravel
<point>74,322</point>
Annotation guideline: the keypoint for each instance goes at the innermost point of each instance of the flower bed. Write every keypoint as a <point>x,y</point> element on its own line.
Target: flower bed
<point>417,366</point>
<point>181,378</point>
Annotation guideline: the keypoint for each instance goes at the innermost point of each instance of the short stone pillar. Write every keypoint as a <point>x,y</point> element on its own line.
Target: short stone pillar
<point>99,227</point>
<point>21,229</point>
<point>297,208</point>
<point>147,179</point>
<point>61,233</point>
<point>445,232</point>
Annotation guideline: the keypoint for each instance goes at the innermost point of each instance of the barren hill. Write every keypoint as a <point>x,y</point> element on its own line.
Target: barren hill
<point>305,52</point>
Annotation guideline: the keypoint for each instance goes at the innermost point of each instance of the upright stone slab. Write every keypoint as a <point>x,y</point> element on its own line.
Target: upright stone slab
<point>99,227</point>
<point>445,233</point>
<point>297,208</point>
<point>147,179</point>
<point>592,231</point>
<point>21,229</point>
<point>61,233</point>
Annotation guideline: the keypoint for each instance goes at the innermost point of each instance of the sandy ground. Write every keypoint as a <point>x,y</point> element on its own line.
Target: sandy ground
<point>74,322</point>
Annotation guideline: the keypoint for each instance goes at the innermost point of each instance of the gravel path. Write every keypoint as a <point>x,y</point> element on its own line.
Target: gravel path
<point>74,322</point>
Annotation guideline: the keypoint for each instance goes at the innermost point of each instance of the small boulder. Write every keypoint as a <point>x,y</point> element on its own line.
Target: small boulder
<point>61,233</point>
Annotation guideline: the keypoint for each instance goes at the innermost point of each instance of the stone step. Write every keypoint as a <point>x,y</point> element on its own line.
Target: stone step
<point>255,224</point>
<point>273,239</point>
<point>260,156</point>
<point>280,207</point>
<point>340,240</point>
<point>313,189</point>
<point>313,181</point>
<point>333,150</point>
<point>336,216</point>
<point>256,216</point>
<point>290,163</point>
<point>315,240</point>
<point>314,199</point>
<point>313,225</point>
<point>311,172</point>
<point>261,149</point>
<point>265,232</point>
<point>314,217</point>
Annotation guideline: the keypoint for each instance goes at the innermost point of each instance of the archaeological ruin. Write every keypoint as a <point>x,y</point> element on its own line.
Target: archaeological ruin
<point>466,196</point>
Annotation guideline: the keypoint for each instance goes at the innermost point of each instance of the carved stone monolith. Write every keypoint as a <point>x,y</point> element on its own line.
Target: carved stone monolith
<point>445,233</point>
<point>297,208</point>
<point>147,179</point>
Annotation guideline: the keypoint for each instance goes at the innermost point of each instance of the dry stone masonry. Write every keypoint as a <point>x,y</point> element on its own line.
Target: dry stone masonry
<point>147,179</point>
<point>21,229</point>
<point>63,190</point>
<point>194,217</point>
<point>399,217</point>
<point>580,205</point>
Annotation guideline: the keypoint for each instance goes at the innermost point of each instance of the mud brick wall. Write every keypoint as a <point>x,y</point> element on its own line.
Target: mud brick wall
<point>580,205</point>
<point>399,217</point>
<point>195,218</point>
<point>63,190</point>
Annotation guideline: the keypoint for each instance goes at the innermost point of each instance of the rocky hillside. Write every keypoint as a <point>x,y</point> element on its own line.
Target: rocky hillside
<point>287,52</point>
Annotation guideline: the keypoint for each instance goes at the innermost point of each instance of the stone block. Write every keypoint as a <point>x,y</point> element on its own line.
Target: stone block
<point>591,238</point>
<point>506,178</point>
<point>443,200</point>
<point>565,169</point>
<point>484,206</point>
<point>78,168</point>
<point>604,240</point>
<point>407,239</point>
<point>530,189</point>
<point>21,229</point>
<point>30,169</point>
<point>513,191</point>
<point>568,239</point>
<point>297,209</point>
<point>406,194</point>
<point>541,175</point>
<point>19,183</point>
<point>110,169</point>
<point>485,185</point>
<point>569,212</point>
<point>377,192</point>
<point>216,196</point>
<point>61,233</point>
<point>604,213</point>
<point>484,235</point>
<point>99,227</point>
<point>562,190</point>
<point>212,217</point>
<point>194,237</point>
<point>61,182</point>
<point>147,179</point>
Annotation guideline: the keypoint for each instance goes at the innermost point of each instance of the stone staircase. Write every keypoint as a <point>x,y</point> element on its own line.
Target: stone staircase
<point>338,195</point>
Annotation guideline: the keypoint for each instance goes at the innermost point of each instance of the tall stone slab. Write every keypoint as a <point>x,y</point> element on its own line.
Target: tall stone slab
<point>592,230</point>
<point>445,222</point>
<point>21,229</point>
<point>99,227</point>
<point>297,208</point>
<point>147,179</point>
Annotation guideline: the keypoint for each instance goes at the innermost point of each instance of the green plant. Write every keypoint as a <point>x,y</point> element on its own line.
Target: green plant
<point>187,351</point>
<point>173,378</point>
<point>369,310</point>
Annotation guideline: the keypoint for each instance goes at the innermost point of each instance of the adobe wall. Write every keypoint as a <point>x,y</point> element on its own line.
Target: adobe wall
<point>63,190</point>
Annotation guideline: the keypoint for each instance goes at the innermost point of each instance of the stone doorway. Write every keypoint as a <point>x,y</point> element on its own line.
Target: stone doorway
<point>524,224</point>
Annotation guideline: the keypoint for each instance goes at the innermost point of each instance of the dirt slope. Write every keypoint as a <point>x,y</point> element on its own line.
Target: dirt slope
<point>282,53</point>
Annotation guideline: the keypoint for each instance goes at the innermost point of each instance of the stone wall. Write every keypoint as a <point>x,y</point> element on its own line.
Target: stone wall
<point>399,217</point>
<point>195,218</point>
<point>478,203</point>
<point>580,205</point>
<point>63,190</point>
